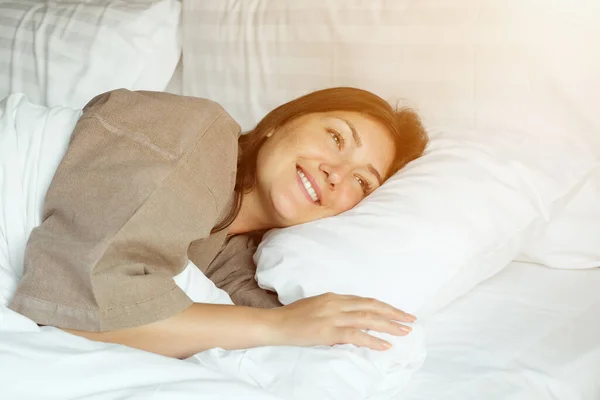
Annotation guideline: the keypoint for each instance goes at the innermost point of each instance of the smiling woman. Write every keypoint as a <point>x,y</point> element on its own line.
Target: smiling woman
<point>319,155</point>
<point>152,180</point>
<point>316,166</point>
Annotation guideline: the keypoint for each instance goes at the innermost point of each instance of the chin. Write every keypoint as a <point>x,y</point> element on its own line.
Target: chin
<point>286,211</point>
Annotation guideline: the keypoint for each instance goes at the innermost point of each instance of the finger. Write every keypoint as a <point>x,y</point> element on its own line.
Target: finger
<point>374,322</point>
<point>362,339</point>
<point>355,303</point>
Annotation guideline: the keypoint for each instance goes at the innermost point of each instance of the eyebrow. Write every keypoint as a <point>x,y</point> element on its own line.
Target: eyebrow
<point>355,134</point>
<point>358,142</point>
<point>376,173</point>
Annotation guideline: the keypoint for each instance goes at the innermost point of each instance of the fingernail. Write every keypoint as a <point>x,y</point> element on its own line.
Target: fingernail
<point>406,329</point>
<point>386,345</point>
<point>411,317</point>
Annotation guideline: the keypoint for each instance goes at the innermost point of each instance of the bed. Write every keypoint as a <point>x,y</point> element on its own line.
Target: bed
<point>519,320</point>
<point>528,333</point>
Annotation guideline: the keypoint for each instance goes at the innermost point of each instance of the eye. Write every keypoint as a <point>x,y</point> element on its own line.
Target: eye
<point>337,138</point>
<point>365,184</point>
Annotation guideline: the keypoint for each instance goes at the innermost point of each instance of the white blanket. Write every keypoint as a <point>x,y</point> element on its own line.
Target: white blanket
<point>45,362</point>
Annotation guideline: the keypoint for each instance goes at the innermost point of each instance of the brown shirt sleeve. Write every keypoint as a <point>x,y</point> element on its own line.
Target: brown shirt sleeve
<point>145,174</point>
<point>233,270</point>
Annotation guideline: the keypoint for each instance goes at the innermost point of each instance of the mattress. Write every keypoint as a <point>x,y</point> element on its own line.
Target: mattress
<point>529,333</point>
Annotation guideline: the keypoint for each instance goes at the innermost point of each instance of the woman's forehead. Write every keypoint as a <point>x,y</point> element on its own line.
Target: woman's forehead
<point>360,124</point>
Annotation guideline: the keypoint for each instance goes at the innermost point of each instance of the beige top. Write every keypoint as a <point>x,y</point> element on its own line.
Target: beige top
<point>144,180</point>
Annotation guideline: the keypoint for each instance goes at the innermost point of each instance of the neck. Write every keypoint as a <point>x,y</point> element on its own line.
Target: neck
<point>251,216</point>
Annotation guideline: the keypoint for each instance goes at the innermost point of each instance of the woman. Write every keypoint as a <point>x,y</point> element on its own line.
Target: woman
<point>151,180</point>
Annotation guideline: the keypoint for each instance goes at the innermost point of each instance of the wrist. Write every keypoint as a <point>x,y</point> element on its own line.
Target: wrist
<point>272,329</point>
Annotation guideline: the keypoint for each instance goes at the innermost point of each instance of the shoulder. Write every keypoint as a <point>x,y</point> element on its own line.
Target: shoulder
<point>132,99</point>
<point>171,122</point>
<point>195,133</point>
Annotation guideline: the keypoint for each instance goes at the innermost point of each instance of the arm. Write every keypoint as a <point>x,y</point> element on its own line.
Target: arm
<point>322,320</point>
<point>198,328</point>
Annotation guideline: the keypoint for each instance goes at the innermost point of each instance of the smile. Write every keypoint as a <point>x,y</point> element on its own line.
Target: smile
<point>308,186</point>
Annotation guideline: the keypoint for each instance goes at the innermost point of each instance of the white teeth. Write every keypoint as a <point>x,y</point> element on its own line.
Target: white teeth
<point>311,192</point>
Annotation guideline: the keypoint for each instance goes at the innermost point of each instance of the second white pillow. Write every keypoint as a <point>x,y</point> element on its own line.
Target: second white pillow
<point>65,53</point>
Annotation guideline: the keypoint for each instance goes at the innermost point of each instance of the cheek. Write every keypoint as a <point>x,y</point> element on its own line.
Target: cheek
<point>274,155</point>
<point>346,199</point>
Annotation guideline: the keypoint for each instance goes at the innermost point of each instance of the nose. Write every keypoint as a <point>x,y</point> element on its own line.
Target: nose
<point>334,174</point>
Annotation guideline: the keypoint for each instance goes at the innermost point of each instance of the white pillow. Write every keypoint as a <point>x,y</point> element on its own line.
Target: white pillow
<point>446,222</point>
<point>63,53</point>
<point>571,239</point>
<point>33,140</point>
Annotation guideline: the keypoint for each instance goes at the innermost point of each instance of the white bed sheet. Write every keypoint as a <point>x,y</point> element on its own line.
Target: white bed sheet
<point>530,333</point>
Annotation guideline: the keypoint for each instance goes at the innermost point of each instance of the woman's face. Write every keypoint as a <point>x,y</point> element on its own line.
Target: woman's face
<point>320,165</point>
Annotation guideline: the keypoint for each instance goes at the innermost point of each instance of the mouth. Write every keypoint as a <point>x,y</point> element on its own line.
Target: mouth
<point>310,187</point>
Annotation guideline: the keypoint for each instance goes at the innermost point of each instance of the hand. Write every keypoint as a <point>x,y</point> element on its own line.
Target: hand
<point>331,319</point>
